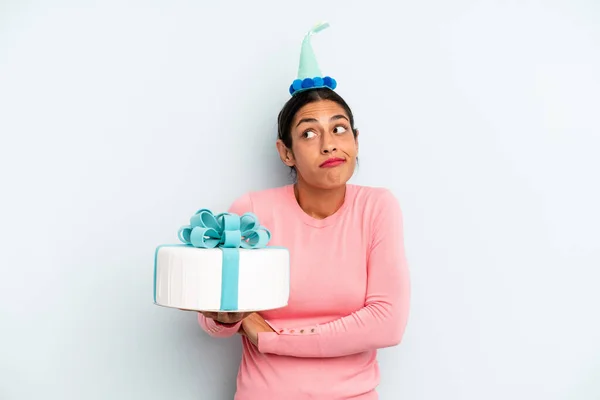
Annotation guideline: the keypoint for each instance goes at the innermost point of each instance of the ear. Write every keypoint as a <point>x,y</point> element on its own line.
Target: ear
<point>356,138</point>
<point>286,155</point>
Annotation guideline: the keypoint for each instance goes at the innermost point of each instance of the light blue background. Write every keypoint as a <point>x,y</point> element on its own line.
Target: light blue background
<point>118,120</point>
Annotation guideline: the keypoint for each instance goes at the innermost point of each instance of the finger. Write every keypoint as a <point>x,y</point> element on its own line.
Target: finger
<point>234,317</point>
<point>224,317</point>
<point>210,315</point>
<point>241,315</point>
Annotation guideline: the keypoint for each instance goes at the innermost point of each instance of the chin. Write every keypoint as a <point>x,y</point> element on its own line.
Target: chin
<point>332,183</point>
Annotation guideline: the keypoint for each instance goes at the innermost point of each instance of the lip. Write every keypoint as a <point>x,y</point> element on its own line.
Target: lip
<point>332,162</point>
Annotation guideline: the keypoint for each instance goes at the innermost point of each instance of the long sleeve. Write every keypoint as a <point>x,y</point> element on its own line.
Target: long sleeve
<point>216,329</point>
<point>382,321</point>
<point>210,326</point>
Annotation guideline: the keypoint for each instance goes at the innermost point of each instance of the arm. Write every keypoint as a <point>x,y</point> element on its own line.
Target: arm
<point>381,322</point>
<point>212,327</point>
<point>218,329</point>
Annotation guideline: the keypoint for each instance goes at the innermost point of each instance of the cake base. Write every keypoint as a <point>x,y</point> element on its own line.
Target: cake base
<point>211,280</point>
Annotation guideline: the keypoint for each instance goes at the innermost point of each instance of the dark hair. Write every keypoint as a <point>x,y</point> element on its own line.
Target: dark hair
<point>293,105</point>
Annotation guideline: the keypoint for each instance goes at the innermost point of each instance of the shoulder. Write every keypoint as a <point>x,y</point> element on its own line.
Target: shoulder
<point>377,208</point>
<point>375,199</point>
<point>253,201</point>
<point>380,212</point>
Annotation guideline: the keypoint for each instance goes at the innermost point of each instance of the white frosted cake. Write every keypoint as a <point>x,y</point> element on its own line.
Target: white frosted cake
<point>223,265</point>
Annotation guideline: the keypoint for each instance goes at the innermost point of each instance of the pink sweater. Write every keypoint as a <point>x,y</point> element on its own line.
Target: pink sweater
<point>349,296</point>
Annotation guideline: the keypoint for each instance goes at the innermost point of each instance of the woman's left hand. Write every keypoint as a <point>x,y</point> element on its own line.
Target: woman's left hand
<point>252,325</point>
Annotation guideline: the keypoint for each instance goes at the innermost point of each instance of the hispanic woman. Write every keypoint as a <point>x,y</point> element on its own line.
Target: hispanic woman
<point>349,288</point>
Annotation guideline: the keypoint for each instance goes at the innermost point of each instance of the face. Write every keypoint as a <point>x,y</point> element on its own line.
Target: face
<point>323,149</point>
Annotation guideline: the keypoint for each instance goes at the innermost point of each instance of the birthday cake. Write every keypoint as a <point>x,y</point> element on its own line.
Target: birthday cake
<point>223,264</point>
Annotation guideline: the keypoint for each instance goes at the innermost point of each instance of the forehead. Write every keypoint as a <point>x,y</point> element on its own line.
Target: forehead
<point>322,109</point>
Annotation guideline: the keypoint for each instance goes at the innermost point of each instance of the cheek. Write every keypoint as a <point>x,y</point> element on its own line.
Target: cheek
<point>305,154</point>
<point>350,147</point>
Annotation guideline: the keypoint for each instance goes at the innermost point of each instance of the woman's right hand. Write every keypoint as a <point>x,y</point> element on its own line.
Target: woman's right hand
<point>226,318</point>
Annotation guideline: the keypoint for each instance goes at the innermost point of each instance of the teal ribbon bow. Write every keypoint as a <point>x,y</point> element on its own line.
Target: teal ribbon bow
<point>229,232</point>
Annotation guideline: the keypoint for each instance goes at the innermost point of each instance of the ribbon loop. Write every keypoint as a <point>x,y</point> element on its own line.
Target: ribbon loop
<point>227,230</point>
<point>231,222</point>
<point>232,239</point>
<point>204,237</point>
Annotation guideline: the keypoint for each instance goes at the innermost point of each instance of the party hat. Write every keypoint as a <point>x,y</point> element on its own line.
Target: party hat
<point>309,73</point>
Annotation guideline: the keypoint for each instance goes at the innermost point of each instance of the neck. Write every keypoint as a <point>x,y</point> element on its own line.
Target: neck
<point>319,203</point>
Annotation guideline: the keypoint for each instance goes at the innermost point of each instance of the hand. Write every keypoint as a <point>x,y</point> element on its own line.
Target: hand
<point>252,326</point>
<point>226,318</point>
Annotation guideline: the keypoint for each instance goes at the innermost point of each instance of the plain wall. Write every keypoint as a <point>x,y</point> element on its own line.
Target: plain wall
<point>119,120</point>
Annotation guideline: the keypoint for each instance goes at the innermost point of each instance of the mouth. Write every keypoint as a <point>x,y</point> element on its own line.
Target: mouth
<point>332,162</point>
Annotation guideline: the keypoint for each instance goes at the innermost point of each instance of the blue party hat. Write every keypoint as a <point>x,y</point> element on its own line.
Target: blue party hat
<point>309,73</point>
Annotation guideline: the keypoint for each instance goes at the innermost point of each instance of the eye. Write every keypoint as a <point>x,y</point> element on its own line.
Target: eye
<point>339,129</point>
<point>309,134</point>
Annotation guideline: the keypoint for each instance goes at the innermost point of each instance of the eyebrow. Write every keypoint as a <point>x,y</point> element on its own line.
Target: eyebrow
<point>334,118</point>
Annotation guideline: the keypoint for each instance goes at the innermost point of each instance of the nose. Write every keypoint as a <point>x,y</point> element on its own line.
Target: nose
<point>328,144</point>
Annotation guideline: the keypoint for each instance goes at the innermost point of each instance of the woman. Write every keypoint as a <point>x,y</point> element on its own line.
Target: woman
<point>349,290</point>
<point>349,283</point>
